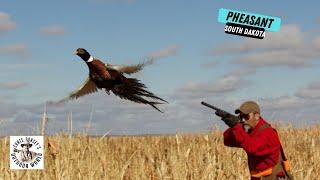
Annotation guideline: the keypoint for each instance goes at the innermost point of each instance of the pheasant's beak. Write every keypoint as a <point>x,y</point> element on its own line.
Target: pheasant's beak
<point>75,53</point>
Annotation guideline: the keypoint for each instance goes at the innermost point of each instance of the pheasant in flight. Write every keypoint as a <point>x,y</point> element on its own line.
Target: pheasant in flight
<point>111,78</point>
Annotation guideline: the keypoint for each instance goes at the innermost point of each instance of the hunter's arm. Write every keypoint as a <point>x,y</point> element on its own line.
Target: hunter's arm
<point>229,139</point>
<point>258,145</point>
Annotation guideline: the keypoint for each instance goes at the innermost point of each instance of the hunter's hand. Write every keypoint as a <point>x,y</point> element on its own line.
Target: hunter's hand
<point>230,120</point>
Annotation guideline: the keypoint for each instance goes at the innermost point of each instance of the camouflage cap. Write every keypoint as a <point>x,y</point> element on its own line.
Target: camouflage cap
<point>248,107</point>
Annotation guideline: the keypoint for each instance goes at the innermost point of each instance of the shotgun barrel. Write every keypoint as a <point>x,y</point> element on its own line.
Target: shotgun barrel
<point>219,112</point>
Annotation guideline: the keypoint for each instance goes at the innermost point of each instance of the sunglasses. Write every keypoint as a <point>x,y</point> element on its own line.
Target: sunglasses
<point>244,116</point>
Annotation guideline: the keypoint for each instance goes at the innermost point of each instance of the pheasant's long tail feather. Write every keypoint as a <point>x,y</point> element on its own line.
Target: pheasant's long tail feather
<point>133,90</point>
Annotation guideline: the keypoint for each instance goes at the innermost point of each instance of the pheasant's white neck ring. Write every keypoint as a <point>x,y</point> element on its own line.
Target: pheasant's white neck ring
<point>90,59</point>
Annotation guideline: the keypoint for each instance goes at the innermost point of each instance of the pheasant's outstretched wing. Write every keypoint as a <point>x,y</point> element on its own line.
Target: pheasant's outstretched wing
<point>127,69</point>
<point>88,87</point>
<point>130,69</point>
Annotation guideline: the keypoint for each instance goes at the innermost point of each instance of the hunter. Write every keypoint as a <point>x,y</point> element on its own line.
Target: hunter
<point>249,131</point>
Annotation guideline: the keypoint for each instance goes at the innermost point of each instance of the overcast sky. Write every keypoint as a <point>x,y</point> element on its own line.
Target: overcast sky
<point>196,61</point>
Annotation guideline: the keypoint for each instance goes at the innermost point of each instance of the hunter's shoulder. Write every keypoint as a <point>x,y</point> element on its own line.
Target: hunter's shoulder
<point>264,127</point>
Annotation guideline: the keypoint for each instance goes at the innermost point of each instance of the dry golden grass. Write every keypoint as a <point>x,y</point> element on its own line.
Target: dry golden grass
<point>196,156</point>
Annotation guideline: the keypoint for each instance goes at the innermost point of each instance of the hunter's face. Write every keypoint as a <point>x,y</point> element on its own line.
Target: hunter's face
<point>252,119</point>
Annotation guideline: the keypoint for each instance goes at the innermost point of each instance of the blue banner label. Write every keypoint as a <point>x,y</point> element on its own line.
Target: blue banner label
<point>249,19</point>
